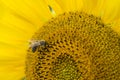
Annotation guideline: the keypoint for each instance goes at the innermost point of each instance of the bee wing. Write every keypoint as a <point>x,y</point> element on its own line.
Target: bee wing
<point>42,43</point>
<point>33,43</point>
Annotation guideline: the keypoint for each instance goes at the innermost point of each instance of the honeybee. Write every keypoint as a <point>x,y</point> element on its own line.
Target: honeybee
<point>34,44</point>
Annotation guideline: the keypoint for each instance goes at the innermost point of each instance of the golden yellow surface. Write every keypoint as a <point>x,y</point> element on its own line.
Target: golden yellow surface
<point>20,19</point>
<point>78,46</point>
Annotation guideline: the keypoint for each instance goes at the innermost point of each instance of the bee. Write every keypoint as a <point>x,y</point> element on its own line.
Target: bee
<point>34,44</point>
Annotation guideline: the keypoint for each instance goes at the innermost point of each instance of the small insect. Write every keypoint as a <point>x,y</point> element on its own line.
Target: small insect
<point>34,44</point>
<point>51,9</point>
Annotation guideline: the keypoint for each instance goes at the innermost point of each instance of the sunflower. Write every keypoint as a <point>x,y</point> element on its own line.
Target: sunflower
<point>24,20</point>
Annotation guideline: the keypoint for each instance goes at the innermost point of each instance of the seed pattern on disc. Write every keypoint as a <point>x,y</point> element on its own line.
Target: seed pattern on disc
<point>78,46</point>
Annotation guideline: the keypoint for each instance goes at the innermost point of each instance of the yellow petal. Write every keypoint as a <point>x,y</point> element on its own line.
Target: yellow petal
<point>93,6</point>
<point>33,11</point>
<point>111,10</point>
<point>116,26</point>
<point>111,14</point>
<point>70,5</point>
<point>11,72</point>
<point>11,66</point>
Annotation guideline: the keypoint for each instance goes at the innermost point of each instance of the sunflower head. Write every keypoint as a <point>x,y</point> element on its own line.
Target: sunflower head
<point>77,46</point>
<point>70,46</point>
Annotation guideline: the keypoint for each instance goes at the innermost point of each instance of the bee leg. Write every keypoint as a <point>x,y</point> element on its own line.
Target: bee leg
<point>34,48</point>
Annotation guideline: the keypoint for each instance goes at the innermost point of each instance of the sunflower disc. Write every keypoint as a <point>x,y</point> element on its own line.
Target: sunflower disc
<point>78,47</point>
